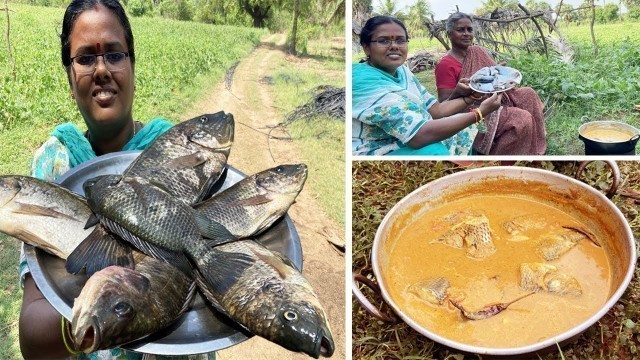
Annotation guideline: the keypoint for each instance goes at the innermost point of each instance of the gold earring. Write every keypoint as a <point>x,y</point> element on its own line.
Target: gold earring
<point>73,96</point>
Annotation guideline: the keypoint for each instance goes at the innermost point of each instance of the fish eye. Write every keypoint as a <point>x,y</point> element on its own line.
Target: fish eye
<point>290,315</point>
<point>203,119</point>
<point>122,309</point>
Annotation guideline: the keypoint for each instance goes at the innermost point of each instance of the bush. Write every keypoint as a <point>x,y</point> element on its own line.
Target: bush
<point>606,14</point>
<point>139,7</point>
<point>634,12</point>
<point>176,9</point>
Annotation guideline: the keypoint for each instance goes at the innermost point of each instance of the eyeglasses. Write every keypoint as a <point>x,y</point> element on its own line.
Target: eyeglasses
<point>86,64</point>
<point>387,42</point>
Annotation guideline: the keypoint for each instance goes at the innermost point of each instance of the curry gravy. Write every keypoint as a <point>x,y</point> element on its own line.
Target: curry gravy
<point>415,257</point>
<point>607,135</point>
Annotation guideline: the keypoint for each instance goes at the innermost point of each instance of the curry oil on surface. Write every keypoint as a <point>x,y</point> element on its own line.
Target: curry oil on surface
<point>492,267</point>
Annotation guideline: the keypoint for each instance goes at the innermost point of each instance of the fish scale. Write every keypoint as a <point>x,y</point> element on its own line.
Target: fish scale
<point>188,158</point>
<point>42,214</point>
<point>261,296</point>
<point>155,292</point>
<point>255,202</point>
<point>145,209</point>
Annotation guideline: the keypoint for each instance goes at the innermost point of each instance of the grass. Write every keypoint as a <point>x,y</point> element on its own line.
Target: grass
<point>10,297</point>
<point>320,140</point>
<point>378,185</point>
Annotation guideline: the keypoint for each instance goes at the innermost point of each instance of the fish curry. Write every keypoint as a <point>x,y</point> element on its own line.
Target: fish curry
<point>497,271</point>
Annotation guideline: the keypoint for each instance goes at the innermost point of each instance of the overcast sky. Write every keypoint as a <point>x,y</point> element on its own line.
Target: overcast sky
<point>443,8</point>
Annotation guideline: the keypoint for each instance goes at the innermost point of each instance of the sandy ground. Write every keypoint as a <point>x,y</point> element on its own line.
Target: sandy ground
<point>323,266</point>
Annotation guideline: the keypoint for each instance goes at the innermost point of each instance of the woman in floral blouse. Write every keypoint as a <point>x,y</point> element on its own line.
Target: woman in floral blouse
<point>393,114</point>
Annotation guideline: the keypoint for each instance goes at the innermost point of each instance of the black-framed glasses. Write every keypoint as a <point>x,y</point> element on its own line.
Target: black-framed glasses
<point>86,64</point>
<point>387,42</point>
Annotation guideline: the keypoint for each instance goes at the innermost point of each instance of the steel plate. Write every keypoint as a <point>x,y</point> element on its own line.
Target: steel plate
<point>503,78</point>
<point>201,329</point>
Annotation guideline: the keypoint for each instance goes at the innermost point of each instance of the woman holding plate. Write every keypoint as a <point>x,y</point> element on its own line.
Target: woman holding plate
<point>517,127</point>
<point>393,114</point>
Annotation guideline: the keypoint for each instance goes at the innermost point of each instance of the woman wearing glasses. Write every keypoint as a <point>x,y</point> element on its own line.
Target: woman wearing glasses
<point>517,128</point>
<point>99,57</point>
<point>393,114</point>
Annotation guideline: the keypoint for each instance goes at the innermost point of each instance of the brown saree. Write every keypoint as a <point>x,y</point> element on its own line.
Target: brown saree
<point>517,127</point>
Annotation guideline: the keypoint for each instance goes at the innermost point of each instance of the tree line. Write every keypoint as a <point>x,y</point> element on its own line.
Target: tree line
<point>416,15</point>
<point>276,15</point>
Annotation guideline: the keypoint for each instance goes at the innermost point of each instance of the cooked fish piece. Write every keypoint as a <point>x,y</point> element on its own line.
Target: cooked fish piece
<point>474,234</point>
<point>562,284</point>
<point>544,277</point>
<point>523,223</point>
<point>553,245</point>
<point>432,290</point>
<point>532,275</point>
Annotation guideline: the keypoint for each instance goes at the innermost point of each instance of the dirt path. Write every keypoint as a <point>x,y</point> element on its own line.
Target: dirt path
<point>323,266</point>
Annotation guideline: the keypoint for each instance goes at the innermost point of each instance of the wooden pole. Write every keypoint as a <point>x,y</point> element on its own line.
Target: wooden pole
<point>544,41</point>
<point>13,64</point>
<point>593,19</point>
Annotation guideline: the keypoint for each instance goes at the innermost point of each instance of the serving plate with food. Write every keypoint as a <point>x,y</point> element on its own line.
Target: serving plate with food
<point>495,79</point>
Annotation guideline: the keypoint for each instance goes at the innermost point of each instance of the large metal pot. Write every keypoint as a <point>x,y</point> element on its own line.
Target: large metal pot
<point>597,147</point>
<point>564,193</point>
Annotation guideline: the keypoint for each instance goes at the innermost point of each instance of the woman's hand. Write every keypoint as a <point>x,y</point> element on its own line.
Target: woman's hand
<point>491,104</point>
<point>463,88</point>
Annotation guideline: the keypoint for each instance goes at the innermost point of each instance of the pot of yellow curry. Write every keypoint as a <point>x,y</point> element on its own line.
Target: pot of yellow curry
<point>501,260</point>
<point>608,138</point>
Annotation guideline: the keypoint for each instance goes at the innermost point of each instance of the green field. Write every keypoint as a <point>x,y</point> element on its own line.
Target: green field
<point>605,87</point>
<point>176,64</point>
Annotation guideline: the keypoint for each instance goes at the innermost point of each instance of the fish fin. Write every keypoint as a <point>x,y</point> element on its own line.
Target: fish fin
<point>186,161</point>
<point>98,251</point>
<point>32,239</point>
<point>189,298</point>
<point>208,293</point>
<point>92,221</point>
<point>251,201</point>
<point>215,232</point>
<point>233,263</point>
<point>177,259</point>
<point>32,209</point>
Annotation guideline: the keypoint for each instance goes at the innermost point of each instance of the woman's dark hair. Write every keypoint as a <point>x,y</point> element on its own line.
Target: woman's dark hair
<point>453,18</point>
<point>76,8</point>
<point>373,23</point>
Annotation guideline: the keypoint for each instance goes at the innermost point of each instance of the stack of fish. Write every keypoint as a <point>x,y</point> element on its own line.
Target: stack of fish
<point>156,234</point>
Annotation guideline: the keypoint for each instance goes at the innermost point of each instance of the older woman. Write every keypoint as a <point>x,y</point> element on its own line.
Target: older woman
<point>517,128</point>
<point>393,114</point>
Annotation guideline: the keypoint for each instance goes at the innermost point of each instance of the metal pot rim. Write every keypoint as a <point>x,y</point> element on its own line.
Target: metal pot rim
<point>512,172</point>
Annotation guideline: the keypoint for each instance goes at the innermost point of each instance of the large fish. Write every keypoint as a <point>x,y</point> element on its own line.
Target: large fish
<point>42,214</point>
<point>52,218</point>
<point>157,224</point>
<point>271,299</point>
<point>254,203</point>
<point>189,158</point>
<point>118,305</point>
